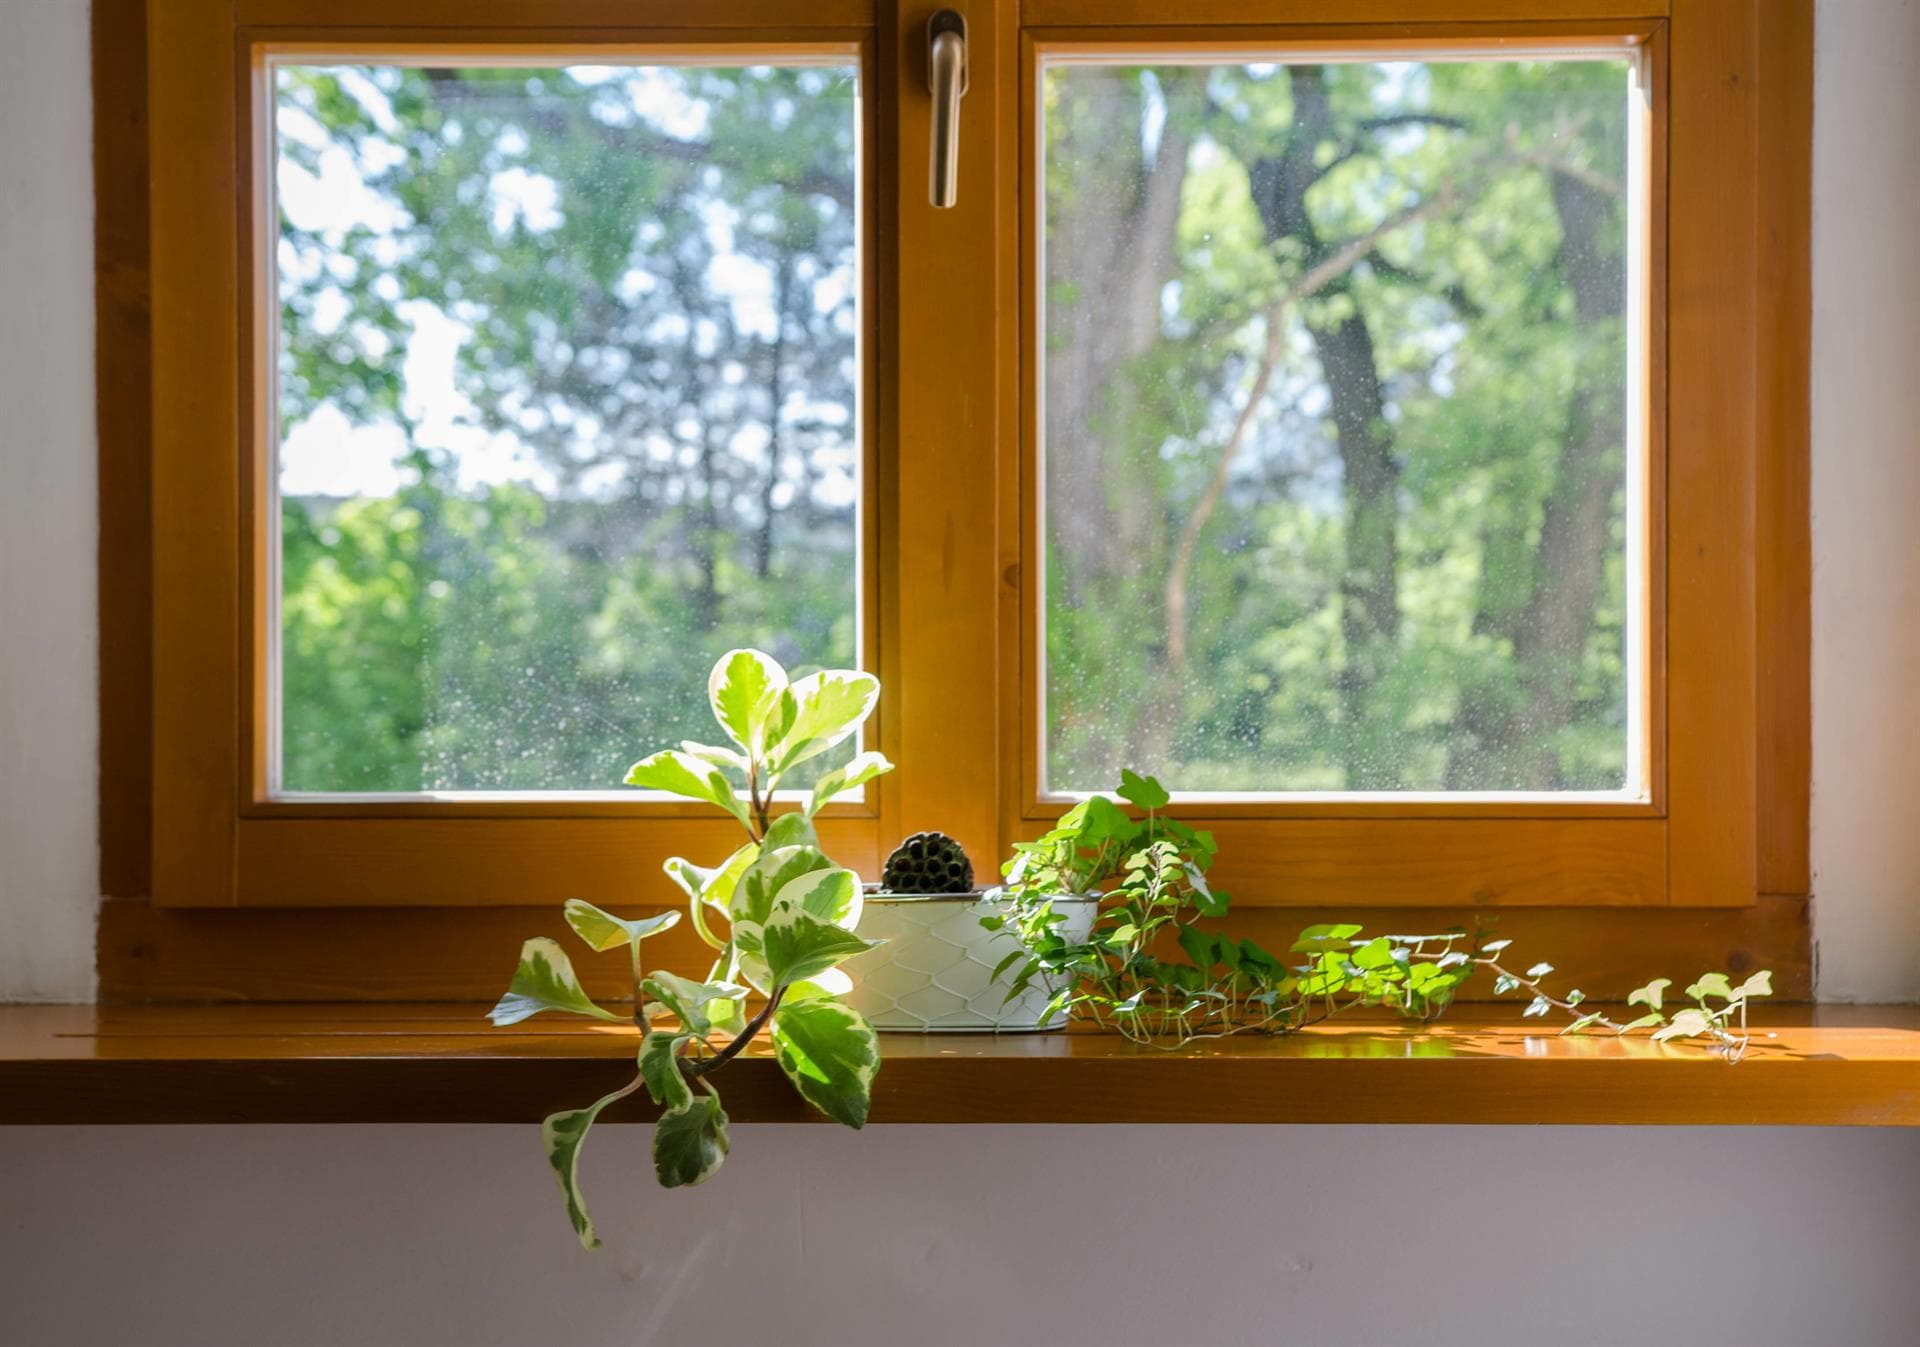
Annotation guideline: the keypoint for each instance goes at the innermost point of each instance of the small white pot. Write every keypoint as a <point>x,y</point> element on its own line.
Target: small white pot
<point>934,974</point>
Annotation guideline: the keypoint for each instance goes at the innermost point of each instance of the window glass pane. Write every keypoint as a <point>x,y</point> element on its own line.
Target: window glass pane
<point>1342,461</point>
<point>566,408</point>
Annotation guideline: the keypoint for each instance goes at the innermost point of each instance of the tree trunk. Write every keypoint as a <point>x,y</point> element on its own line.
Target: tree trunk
<point>1505,742</point>
<point>1110,253</point>
<point>1370,474</point>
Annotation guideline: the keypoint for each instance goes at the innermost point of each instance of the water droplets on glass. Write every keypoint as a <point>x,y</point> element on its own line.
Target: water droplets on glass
<point>567,404</point>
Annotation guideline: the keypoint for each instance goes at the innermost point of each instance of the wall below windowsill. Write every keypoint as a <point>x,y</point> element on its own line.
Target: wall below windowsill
<point>1819,1065</point>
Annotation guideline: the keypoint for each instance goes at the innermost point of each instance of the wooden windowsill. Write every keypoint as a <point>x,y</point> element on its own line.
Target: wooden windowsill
<point>1851,1065</point>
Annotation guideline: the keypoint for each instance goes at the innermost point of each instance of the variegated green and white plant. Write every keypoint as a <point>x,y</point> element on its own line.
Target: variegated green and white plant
<point>778,913</point>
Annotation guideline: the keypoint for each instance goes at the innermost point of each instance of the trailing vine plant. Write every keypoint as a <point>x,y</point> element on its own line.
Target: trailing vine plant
<point>1152,875</point>
<point>778,914</point>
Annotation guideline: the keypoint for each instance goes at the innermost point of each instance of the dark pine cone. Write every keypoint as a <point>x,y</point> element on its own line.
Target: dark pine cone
<point>928,863</point>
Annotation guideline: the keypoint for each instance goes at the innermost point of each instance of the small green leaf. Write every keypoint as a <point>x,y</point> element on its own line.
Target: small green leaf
<point>603,931</point>
<point>863,768</point>
<point>1685,1024</point>
<point>833,982</point>
<point>743,688</point>
<point>1539,970</point>
<point>1210,903</point>
<point>761,882</point>
<point>1540,1005</point>
<point>1711,984</point>
<point>796,945</point>
<point>831,895</point>
<point>682,774</point>
<point>790,830</point>
<point>1649,995</point>
<point>714,756</point>
<point>562,1135</point>
<point>1376,953</point>
<point>1200,946</point>
<point>1760,984</point>
<point>1320,939</point>
<point>710,889</point>
<point>694,1004</point>
<point>828,706</point>
<point>830,1053</point>
<point>1646,1021</point>
<point>544,981</point>
<point>1577,1025</point>
<point>689,1143</point>
<point>660,1069</point>
<point>1142,792</point>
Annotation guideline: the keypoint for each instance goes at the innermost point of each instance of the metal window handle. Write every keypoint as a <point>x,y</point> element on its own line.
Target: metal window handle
<point>947,82</point>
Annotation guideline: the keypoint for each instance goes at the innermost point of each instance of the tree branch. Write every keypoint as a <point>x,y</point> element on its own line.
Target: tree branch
<point>1315,278</point>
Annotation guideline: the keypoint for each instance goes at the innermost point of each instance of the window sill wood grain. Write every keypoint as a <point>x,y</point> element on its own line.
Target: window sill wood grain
<point>1833,1065</point>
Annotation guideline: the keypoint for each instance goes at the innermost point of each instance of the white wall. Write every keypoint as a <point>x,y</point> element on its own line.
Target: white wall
<point>48,888</point>
<point>1866,499</point>
<point>291,1236</point>
<point>970,1236</point>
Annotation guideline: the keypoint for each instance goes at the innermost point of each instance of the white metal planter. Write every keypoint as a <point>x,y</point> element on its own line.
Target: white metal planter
<point>934,974</point>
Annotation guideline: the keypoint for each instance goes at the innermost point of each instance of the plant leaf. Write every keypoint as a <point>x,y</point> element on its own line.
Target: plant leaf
<point>682,774</point>
<point>1711,984</point>
<point>1200,946</point>
<point>1142,792</point>
<point>1646,1021</point>
<point>544,981</point>
<point>830,1053</point>
<point>562,1135</point>
<point>1685,1024</point>
<point>742,689</point>
<point>710,888</point>
<point>1649,995</point>
<point>1209,903</point>
<point>828,706</point>
<point>660,1069</point>
<point>692,1003</point>
<point>1760,984</point>
<point>862,768</point>
<point>714,756</point>
<point>790,830</point>
<point>833,982</point>
<point>761,882</point>
<point>1376,953</point>
<point>796,944</point>
<point>1320,939</point>
<point>689,1143</point>
<point>603,931</point>
<point>831,895</point>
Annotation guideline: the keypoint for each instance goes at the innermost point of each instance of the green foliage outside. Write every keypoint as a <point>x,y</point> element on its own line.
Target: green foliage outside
<point>1335,444</point>
<point>1405,570</point>
<point>649,276</point>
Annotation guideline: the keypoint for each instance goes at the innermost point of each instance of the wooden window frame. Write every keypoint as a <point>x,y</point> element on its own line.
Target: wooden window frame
<point>182,827</point>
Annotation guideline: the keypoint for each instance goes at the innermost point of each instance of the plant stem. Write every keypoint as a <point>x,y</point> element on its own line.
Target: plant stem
<point>639,1001</point>
<point>707,1066</point>
<point>1533,986</point>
